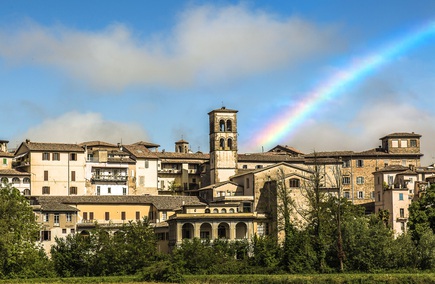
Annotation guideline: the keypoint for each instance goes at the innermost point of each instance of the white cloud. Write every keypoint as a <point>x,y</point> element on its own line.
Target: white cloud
<point>365,129</point>
<point>208,42</point>
<point>76,127</point>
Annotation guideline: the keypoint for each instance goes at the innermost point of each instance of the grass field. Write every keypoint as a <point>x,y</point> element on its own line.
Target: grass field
<point>394,278</point>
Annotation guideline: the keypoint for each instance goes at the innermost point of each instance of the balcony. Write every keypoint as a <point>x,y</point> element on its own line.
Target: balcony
<point>17,164</point>
<point>169,171</point>
<point>107,177</point>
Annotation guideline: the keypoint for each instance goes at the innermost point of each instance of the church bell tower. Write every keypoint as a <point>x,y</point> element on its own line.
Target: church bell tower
<point>223,144</point>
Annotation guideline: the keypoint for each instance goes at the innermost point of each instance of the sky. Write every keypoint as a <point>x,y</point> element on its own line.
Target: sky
<point>333,75</point>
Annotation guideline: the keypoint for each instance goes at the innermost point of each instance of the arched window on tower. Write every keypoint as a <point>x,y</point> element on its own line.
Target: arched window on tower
<point>230,144</point>
<point>222,144</point>
<point>221,126</point>
<point>229,125</point>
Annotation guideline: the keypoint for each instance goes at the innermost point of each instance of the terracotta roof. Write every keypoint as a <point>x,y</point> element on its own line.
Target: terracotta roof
<point>98,143</point>
<point>160,202</point>
<point>392,168</point>
<point>181,141</point>
<point>147,144</point>
<point>285,148</point>
<point>12,172</point>
<point>378,152</point>
<point>401,134</point>
<point>6,154</point>
<point>140,151</point>
<point>268,157</point>
<point>61,147</point>
<point>176,155</point>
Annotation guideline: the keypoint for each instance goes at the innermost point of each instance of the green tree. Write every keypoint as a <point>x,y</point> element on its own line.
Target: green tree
<point>20,256</point>
<point>422,214</point>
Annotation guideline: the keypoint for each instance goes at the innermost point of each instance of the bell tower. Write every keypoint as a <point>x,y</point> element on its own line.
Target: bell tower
<point>223,144</point>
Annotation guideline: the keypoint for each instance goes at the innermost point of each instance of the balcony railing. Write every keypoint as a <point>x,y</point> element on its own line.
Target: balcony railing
<point>109,178</point>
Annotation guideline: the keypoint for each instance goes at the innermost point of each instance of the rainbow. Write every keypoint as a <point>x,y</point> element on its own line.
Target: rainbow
<point>284,124</point>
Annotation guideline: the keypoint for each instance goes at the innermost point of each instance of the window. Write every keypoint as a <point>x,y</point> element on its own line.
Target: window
<point>245,167</point>
<point>26,192</point>
<point>85,215</point>
<point>164,215</point>
<point>73,175</point>
<point>402,226</point>
<point>400,196</point>
<point>107,216</point>
<point>294,182</point>
<point>162,184</point>
<point>63,231</point>
<point>73,190</point>
<point>45,190</point>
<point>137,215</point>
<point>360,163</point>
<point>260,229</point>
<point>45,236</point>
<point>221,143</point>
<point>413,143</point>
<point>259,166</point>
<point>402,213</point>
<point>73,157</point>
<point>45,217</point>
<point>73,231</point>
<point>379,196</point>
<point>403,143</point>
<point>109,190</point>
<point>221,126</point>
<point>347,194</point>
<point>231,210</point>
<point>404,163</point>
<point>56,219</point>
<point>215,210</point>
<point>224,210</point>
<point>246,207</point>
<point>45,175</point>
<point>16,181</point>
<point>230,143</point>
<point>5,161</point>
<point>360,180</point>
<point>390,180</point>
<point>378,180</point>
<point>124,191</point>
<point>346,163</point>
<point>56,156</point>
<point>346,180</point>
<point>5,180</point>
<point>247,183</point>
<point>68,217</point>
<point>98,190</point>
<point>360,194</point>
<point>394,143</point>
<point>229,125</point>
<point>123,215</point>
<point>147,164</point>
<point>26,181</point>
<point>46,156</point>
<point>91,215</point>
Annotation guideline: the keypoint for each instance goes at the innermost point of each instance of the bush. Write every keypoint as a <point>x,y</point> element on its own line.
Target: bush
<point>163,271</point>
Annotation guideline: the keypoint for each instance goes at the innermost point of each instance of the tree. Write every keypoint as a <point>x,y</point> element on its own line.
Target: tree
<point>20,256</point>
<point>422,214</point>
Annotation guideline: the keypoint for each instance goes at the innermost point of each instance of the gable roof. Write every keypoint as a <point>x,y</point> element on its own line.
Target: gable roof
<point>401,134</point>
<point>58,147</point>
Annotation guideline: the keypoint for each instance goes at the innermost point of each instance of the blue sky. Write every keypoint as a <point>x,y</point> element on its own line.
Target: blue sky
<point>125,71</point>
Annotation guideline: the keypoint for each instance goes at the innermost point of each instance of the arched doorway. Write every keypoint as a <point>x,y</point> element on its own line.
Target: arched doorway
<point>205,231</point>
<point>187,231</point>
<point>241,230</point>
<point>223,231</point>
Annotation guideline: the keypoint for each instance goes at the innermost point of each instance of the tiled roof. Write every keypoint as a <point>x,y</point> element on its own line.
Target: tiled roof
<point>223,109</point>
<point>160,202</point>
<point>375,152</point>
<point>98,143</point>
<point>12,172</point>
<point>175,155</point>
<point>139,151</point>
<point>61,147</point>
<point>268,157</point>
<point>285,148</point>
<point>392,168</point>
<point>147,144</point>
<point>6,154</point>
<point>401,134</point>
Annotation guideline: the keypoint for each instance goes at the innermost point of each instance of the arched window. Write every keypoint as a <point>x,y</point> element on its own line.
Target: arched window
<point>221,126</point>
<point>207,210</point>
<point>26,192</point>
<point>231,210</point>
<point>5,180</point>
<point>294,182</point>
<point>215,210</point>
<point>26,181</point>
<point>229,124</point>
<point>230,143</point>
<point>222,143</point>
<point>16,180</point>
<point>224,210</point>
